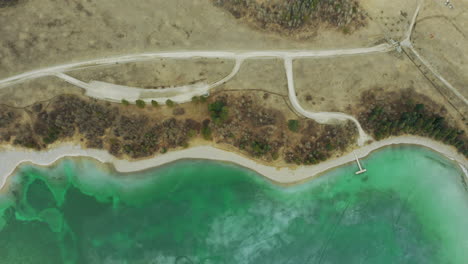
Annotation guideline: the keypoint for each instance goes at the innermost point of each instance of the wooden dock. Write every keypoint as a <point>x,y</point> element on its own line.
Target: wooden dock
<point>361,170</point>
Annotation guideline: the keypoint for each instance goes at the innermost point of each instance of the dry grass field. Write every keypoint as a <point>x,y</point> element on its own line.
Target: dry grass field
<point>42,33</point>
<point>337,84</point>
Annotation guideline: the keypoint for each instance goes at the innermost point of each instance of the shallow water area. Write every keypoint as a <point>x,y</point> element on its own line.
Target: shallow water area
<point>410,207</point>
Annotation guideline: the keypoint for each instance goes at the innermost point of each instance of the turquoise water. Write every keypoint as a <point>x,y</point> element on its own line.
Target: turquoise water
<point>411,207</point>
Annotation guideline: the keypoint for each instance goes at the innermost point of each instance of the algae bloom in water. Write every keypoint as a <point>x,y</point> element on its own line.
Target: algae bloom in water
<point>411,207</point>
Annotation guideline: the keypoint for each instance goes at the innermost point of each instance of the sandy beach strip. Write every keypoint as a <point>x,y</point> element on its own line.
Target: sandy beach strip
<point>11,158</point>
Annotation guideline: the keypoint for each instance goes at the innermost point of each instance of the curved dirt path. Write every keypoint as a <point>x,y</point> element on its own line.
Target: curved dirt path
<point>116,93</point>
<point>50,71</point>
<point>320,117</point>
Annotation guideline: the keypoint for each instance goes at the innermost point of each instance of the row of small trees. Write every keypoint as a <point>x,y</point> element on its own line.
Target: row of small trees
<point>141,104</point>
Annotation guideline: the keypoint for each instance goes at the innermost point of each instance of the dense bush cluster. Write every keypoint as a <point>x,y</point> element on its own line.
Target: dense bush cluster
<point>100,124</point>
<point>14,125</point>
<point>265,133</point>
<point>408,115</point>
<point>294,14</point>
<point>318,146</point>
<point>6,3</point>
<point>7,116</point>
<point>69,114</point>
<point>218,111</point>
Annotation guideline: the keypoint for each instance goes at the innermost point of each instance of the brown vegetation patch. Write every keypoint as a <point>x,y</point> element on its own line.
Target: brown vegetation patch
<point>12,122</point>
<point>292,16</point>
<point>263,133</point>
<point>8,3</point>
<point>237,120</point>
<point>319,142</point>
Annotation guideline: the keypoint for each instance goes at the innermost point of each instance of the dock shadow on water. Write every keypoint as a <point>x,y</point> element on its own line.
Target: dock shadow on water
<point>405,209</point>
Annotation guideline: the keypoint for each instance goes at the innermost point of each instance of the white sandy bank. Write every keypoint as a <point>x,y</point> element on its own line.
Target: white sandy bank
<point>11,158</point>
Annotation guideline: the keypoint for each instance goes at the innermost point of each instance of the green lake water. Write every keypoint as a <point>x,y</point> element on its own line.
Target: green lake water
<point>410,207</point>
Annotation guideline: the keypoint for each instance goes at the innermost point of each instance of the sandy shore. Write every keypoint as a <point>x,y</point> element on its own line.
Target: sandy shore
<point>11,158</point>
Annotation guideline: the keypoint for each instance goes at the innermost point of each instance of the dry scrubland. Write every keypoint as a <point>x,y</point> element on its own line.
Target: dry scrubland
<point>230,119</point>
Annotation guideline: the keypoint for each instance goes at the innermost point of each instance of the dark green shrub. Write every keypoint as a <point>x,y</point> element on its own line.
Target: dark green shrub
<point>170,103</point>
<point>293,125</point>
<point>275,155</point>
<point>191,133</point>
<point>260,148</point>
<point>206,132</point>
<point>218,111</point>
<point>140,103</point>
<point>154,103</point>
<point>125,102</point>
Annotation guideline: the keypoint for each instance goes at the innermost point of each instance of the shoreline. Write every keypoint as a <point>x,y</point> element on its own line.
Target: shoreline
<point>11,158</point>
